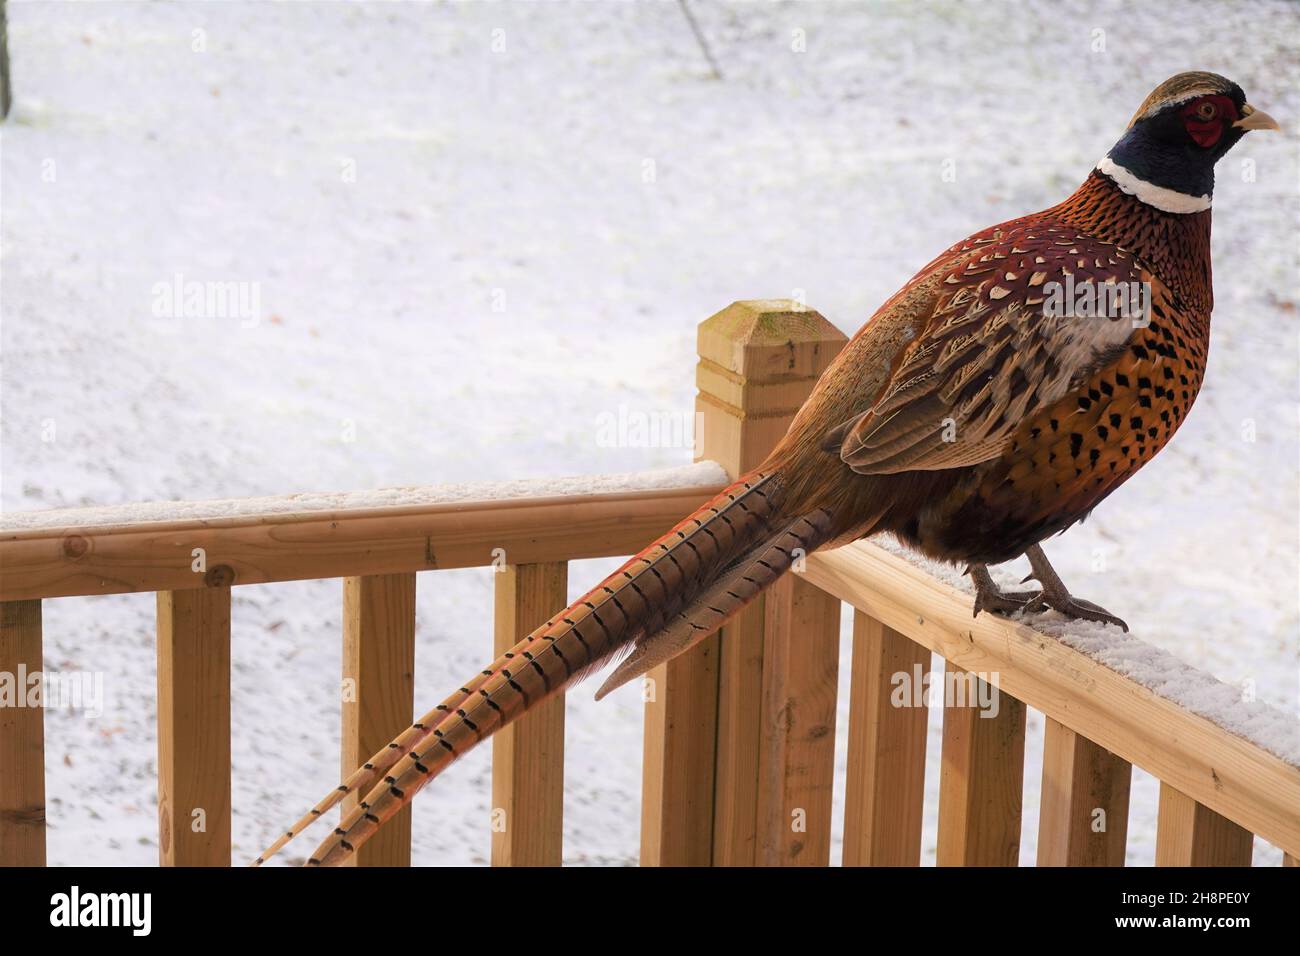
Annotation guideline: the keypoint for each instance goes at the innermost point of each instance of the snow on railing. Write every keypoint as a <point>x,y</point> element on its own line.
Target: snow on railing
<point>703,475</point>
<point>176,545</point>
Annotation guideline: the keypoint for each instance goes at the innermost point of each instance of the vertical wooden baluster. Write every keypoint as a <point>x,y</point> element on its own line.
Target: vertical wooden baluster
<point>528,755</point>
<point>681,719</point>
<point>796,768</point>
<point>22,740</point>
<point>379,692</point>
<point>1191,834</point>
<point>885,791</point>
<point>194,727</point>
<point>757,363</point>
<point>1083,818</point>
<point>981,783</point>
<point>739,715</point>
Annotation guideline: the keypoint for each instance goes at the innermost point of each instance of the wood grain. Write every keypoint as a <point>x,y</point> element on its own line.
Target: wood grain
<point>194,727</point>
<point>528,755</point>
<point>1083,817</point>
<point>157,556</point>
<point>981,783</point>
<point>22,739</point>
<point>797,756</point>
<point>1191,834</point>
<point>888,716</point>
<point>677,770</point>
<point>379,693</point>
<point>740,714</point>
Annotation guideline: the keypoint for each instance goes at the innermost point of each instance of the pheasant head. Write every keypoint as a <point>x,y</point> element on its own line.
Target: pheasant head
<point>1166,156</point>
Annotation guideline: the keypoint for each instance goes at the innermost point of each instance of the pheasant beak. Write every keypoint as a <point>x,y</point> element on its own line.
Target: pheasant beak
<point>1252,118</point>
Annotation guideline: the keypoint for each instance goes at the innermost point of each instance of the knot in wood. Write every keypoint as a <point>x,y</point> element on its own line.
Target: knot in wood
<point>219,576</point>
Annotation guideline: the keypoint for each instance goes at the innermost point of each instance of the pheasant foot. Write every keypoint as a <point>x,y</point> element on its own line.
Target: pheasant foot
<point>989,597</point>
<point>1056,596</point>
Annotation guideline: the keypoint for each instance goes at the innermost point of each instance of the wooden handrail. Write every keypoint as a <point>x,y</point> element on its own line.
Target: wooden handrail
<point>1232,776</point>
<point>119,556</point>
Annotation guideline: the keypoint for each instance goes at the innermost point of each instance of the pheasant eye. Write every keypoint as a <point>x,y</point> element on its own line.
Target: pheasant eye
<point>1203,119</point>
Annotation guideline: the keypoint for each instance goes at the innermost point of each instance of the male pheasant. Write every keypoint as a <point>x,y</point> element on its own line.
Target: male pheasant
<point>969,417</point>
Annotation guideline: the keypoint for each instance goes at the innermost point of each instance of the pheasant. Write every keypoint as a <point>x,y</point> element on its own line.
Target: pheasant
<point>972,417</point>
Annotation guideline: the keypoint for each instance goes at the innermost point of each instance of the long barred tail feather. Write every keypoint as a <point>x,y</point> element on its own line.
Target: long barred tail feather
<point>695,576</point>
<point>378,765</point>
<point>637,598</point>
<point>742,581</point>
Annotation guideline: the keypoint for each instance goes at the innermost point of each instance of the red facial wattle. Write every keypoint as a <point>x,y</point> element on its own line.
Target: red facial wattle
<point>1206,117</point>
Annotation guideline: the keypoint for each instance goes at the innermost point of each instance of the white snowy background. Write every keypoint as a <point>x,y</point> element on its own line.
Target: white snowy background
<point>462,265</point>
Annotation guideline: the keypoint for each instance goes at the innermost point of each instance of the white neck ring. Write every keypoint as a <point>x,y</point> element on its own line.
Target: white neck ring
<point>1166,200</point>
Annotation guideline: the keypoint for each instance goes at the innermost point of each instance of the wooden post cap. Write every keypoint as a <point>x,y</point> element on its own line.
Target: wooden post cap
<point>767,339</point>
<point>758,363</point>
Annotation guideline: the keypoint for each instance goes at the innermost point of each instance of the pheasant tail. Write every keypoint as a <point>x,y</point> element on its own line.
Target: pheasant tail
<point>661,602</point>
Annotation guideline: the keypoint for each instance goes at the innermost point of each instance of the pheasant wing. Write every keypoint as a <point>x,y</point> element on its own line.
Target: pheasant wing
<point>1004,340</point>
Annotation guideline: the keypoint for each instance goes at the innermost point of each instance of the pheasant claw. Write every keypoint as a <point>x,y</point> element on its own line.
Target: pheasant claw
<point>1058,598</point>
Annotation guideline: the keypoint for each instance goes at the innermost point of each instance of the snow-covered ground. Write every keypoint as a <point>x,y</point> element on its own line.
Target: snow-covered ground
<point>472,230</point>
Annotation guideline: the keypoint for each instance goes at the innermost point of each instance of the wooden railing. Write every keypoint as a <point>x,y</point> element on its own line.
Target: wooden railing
<point>739,732</point>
